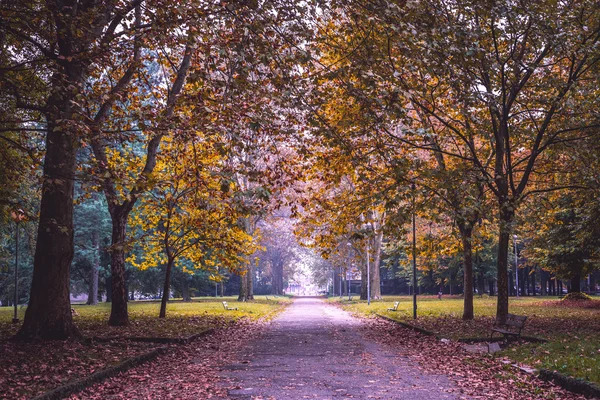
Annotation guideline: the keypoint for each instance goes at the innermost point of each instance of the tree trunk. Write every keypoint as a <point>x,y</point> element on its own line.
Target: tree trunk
<point>94,273</point>
<point>480,283</point>
<point>185,290</point>
<point>533,269</point>
<point>118,311</point>
<point>363,282</point>
<point>246,286</point>
<point>243,296</point>
<point>466,236</point>
<point>491,286</point>
<point>48,315</point>
<point>576,283</point>
<point>375,268</point>
<point>108,283</point>
<point>559,286</point>
<point>506,218</point>
<point>166,288</point>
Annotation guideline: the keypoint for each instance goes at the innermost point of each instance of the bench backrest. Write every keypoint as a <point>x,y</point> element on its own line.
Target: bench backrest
<point>517,321</point>
<point>225,305</point>
<point>396,304</point>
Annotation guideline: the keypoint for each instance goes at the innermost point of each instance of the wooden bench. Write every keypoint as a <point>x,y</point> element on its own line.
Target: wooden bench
<point>395,308</point>
<point>512,327</point>
<point>225,306</point>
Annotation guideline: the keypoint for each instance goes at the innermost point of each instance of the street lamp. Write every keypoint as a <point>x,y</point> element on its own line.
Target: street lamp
<point>516,264</point>
<point>17,216</point>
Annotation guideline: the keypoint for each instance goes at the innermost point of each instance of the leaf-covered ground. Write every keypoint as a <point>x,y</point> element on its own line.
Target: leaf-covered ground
<point>195,371</point>
<point>189,371</point>
<point>478,376</point>
<point>573,328</point>
<point>29,369</point>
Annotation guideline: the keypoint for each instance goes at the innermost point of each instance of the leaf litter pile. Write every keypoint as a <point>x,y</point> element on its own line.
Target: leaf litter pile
<point>477,376</point>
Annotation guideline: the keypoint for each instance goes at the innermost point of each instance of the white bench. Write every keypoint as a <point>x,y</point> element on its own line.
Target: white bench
<point>225,306</point>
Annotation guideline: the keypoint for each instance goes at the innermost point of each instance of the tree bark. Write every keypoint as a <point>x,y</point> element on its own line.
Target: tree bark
<point>363,282</point>
<point>466,233</point>
<point>576,283</point>
<point>375,268</point>
<point>118,310</point>
<point>94,273</point>
<point>48,315</point>
<point>185,290</point>
<point>506,219</point>
<point>166,288</point>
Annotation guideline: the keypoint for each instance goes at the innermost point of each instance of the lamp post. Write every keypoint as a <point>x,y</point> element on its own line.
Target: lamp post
<point>17,216</point>
<point>516,264</point>
<point>414,252</point>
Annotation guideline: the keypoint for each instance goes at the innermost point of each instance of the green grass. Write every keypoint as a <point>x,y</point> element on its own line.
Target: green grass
<point>573,332</point>
<point>182,319</point>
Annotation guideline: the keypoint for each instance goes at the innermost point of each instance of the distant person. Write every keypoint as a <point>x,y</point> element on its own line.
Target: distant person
<point>440,295</point>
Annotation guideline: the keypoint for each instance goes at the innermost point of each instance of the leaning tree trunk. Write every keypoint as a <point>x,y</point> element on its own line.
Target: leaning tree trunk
<point>118,311</point>
<point>48,314</point>
<point>94,273</point>
<point>466,233</point>
<point>166,288</point>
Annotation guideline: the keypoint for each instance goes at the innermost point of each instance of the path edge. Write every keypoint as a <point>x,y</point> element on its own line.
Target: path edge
<point>580,386</point>
<point>78,385</point>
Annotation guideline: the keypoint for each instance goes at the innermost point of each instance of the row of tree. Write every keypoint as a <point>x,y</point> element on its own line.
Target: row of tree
<point>164,116</point>
<point>479,117</point>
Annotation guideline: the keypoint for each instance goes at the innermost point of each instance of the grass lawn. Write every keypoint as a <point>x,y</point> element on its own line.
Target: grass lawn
<point>573,332</point>
<point>183,319</point>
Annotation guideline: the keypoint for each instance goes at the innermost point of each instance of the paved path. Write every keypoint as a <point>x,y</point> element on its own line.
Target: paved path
<point>315,351</point>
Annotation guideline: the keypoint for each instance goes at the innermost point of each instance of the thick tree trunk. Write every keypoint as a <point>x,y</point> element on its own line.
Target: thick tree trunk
<point>466,236</point>
<point>166,289</point>
<point>243,296</point>
<point>576,283</point>
<point>118,311</point>
<point>48,315</point>
<point>246,286</point>
<point>506,219</point>
<point>94,273</point>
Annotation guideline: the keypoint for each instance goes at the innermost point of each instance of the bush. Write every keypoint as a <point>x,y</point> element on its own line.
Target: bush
<point>577,296</point>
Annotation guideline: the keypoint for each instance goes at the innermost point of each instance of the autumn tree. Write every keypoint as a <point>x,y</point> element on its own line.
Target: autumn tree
<point>55,48</point>
<point>188,219</point>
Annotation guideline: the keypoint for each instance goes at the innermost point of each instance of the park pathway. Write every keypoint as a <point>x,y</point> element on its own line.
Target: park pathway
<point>314,350</point>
